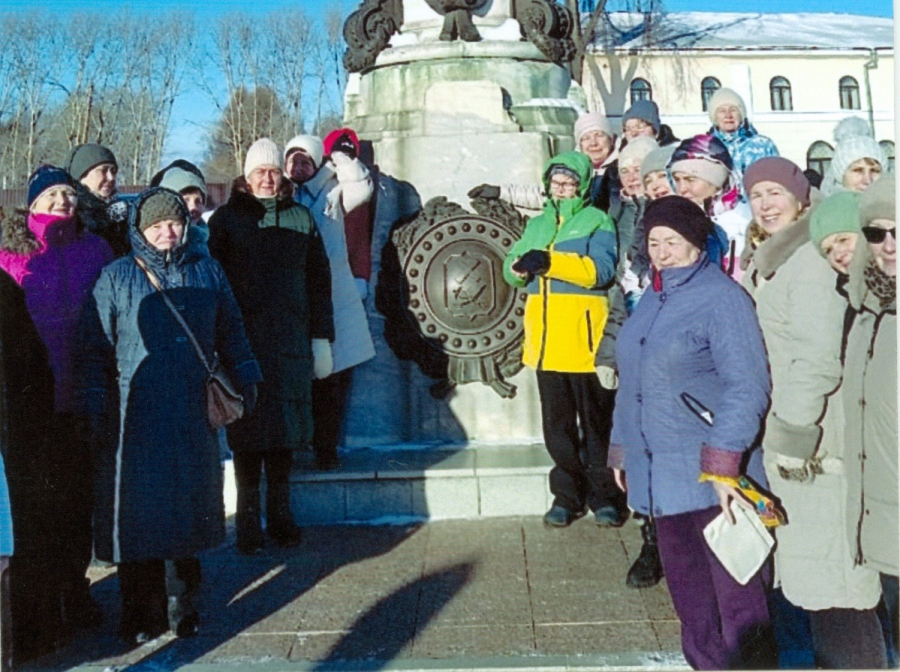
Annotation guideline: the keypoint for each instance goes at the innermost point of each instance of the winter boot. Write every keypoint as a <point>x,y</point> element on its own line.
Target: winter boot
<point>280,524</point>
<point>181,582</point>
<point>250,539</point>
<point>647,569</point>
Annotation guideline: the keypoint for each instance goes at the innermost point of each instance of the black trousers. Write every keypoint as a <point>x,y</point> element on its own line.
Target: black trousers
<point>329,400</point>
<point>145,587</point>
<point>248,468</point>
<point>847,639</point>
<point>576,414</point>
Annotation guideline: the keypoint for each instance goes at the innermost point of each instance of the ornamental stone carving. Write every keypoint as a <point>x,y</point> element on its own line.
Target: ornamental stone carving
<point>457,302</point>
<point>548,26</point>
<point>458,18</point>
<point>368,32</point>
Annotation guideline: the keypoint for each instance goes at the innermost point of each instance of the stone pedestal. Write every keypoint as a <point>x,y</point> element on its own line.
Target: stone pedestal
<point>446,116</point>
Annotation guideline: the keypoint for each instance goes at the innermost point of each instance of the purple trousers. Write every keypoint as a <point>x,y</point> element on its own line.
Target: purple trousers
<point>724,625</point>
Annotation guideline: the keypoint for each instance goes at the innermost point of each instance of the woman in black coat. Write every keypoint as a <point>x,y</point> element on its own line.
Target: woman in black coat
<point>158,476</point>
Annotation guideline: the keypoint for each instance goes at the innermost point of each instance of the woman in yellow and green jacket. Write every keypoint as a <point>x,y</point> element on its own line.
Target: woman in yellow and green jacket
<point>566,260</point>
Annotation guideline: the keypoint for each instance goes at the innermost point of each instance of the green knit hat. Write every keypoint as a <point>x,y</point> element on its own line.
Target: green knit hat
<point>839,213</point>
<point>84,157</point>
<point>162,205</point>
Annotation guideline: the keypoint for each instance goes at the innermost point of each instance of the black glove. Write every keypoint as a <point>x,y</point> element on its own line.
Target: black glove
<point>250,394</point>
<point>535,262</point>
<point>484,191</point>
<point>344,145</point>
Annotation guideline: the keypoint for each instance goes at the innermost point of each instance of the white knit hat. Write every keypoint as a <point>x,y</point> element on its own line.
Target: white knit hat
<point>636,150</point>
<point>726,97</point>
<point>263,152</point>
<point>853,148</point>
<point>592,121</point>
<point>310,145</point>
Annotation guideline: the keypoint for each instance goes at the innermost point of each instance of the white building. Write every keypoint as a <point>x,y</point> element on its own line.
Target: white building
<point>799,74</point>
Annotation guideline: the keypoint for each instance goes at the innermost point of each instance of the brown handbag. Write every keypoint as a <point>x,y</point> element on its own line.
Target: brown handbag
<point>224,404</point>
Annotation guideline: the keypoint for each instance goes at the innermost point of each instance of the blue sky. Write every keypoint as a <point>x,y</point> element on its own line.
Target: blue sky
<point>192,112</point>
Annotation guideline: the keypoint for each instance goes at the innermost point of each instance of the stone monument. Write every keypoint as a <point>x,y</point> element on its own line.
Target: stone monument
<point>452,94</point>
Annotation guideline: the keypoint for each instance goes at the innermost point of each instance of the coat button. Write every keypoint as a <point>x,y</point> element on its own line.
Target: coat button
<point>643,341</point>
<point>868,512</point>
<point>639,399</point>
<point>657,511</point>
<point>181,339</point>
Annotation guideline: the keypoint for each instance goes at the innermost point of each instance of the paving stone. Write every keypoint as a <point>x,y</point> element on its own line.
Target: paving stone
<point>636,636</point>
<point>564,602</point>
<point>439,641</point>
<point>251,648</point>
<point>445,498</point>
<point>508,495</point>
<point>668,634</point>
<point>378,498</point>
<point>501,602</point>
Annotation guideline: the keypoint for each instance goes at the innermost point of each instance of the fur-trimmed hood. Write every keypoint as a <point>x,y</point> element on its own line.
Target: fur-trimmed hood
<point>15,236</point>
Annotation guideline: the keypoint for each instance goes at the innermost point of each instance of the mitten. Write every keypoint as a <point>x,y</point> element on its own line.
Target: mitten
<point>344,145</point>
<point>609,379</point>
<point>323,364</point>
<point>536,262</point>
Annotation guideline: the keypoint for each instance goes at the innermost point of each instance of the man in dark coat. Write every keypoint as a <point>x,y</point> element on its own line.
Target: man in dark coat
<point>276,262</point>
<point>159,498</point>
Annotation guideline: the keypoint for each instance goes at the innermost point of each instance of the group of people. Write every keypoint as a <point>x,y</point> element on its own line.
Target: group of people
<point>710,330</point>
<point>116,310</point>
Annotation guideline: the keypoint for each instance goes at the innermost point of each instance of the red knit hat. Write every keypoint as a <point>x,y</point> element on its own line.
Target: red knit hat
<point>332,137</point>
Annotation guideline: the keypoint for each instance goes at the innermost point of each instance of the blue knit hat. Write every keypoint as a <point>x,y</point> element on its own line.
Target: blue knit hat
<point>645,110</point>
<point>43,178</point>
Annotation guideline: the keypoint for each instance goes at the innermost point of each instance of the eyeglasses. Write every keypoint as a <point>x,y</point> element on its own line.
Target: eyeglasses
<point>876,235</point>
<point>567,185</point>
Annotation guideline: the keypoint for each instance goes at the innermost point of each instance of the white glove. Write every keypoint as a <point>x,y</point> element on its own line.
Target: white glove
<point>362,286</point>
<point>609,379</point>
<point>355,180</point>
<point>323,364</point>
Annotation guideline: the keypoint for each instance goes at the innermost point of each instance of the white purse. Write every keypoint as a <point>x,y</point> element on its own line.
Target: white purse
<point>742,548</point>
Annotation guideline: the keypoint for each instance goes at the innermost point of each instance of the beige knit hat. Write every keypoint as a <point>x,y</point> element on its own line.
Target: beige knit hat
<point>636,150</point>
<point>592,121</point>
<point>879,201</point>
<point>263,152</point>
<point>726,97</point>
<point>711,171</point>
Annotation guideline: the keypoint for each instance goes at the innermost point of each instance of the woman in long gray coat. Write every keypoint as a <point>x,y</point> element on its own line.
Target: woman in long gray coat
<point>693,389</point>
<point>870,395</point>
<point>159,480</point>
<point>801,318</point>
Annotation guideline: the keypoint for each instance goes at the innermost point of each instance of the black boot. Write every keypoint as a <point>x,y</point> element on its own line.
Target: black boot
<point>182,580</point>
<point>80,609</point>
<point>280,524</point>
<point>647,569</point>
<point>250,539</point>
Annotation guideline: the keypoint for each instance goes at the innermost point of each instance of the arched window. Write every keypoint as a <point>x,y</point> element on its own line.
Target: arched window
<point>640,90</point>
<point>888,148</point>
<point>780,90</point>
<point>708,87</point>
<point>818,158</point>
<point>849,93</point>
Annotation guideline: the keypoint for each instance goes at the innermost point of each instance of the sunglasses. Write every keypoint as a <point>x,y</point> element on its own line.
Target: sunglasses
<point>876,235</point>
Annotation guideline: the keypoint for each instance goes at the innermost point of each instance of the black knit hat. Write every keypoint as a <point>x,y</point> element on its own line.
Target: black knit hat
<point>682,216</point>
<point>43,178</point>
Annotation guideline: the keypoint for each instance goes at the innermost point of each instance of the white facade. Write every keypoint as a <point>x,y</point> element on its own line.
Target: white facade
<point>746,53</point>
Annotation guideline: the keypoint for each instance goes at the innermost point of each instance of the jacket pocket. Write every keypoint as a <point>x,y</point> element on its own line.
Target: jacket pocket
<point>697,407</point>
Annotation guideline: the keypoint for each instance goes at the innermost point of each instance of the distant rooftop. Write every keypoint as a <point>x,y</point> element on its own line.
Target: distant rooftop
<point>714,30</point>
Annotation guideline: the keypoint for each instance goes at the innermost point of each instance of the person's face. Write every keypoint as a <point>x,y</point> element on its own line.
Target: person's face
<point>634,128</point>
<point>774,207</point>
<point>562,186</point>
<point>838,250</point>
<point>880,234</point>
<point>630,176</point>
<point>59,200</point>
<point>669,249</point>
<point>101,180</point>
<point>728,118</point>
<point>300,167</point>
<point>861,174</point>
<point>656,185</point>
<point>264,181</point>
<point>694,188</point>
<point>598,146</point>
<point>195,202</point>
<point>165,234</point>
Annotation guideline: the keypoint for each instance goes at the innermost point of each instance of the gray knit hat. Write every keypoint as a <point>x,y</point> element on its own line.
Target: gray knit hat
<point>161,205</point>
<point>879,201</point>
<point>636,150</point>
<point>657,160</point>
<point>646,110</point>
<point>179,179</point>
<point>83,158</point>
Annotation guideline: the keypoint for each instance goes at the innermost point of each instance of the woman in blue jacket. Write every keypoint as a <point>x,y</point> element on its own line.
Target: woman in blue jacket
<point>694,388</point>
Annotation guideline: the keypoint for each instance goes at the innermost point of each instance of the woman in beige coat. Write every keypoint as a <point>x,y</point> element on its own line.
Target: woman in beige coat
<point>801,317</point>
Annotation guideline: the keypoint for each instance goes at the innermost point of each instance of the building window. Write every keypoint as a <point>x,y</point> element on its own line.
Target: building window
<point>640,90</point>
<point>818,158</point>
<point>708,87</point>
<point>888,148</point>
<point>780,90</point>
<point>849,94</point>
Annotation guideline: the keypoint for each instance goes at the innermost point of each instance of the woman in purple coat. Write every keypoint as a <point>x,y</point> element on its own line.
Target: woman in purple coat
<point>693,390</point>
<point>56,262</point>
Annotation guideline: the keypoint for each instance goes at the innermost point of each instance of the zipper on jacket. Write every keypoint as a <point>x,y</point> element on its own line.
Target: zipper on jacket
<point>590,330</point>
<point>860,556</point>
